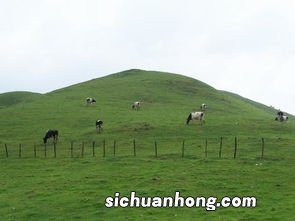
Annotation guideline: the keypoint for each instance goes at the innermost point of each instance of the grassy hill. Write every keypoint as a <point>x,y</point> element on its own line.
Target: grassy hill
<point>166,101</point>
<point>75,188</point>
<point>12,98</point>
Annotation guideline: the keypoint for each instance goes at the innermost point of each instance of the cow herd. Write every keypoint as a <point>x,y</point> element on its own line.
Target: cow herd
<point>198,115</point>
<point>98,123</point>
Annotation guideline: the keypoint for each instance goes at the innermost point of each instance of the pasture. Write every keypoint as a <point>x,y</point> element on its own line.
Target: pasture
<point>74,188</point>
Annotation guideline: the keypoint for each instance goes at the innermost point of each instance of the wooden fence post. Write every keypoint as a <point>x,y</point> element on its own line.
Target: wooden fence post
<point>54,148</point>
<point>114,147</point>
<point>35,151</point>
<point>104,148</point>
<point>20,151</point>
<point>220,147</point>
<point>134,148</point>
<point>72,146</point>
<point>93,148</point>
<point>206,148</point>
<point>236,146</point>
<point>156,149</point>
<point>262,148</point>
<point>82,149</point>
<point>6,150</point>
<point>45,150</point>
<point>182,154</point>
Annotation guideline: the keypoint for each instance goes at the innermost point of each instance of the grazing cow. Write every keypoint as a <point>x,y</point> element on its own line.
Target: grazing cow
<point>98,125</point>
<point>199,115</point>
<point>136,105</point>
<point>282,118</point>
<point>51,134</point>
<point>280,113</point>
<point>90,100</point>
<point>203,107</point>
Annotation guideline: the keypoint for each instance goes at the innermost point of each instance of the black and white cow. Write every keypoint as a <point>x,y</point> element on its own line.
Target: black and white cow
<point>282,118</point>
<point>199,115</point>
<point>136,105</point>
<point>51,134</point>
<point>203,107</point>
<point>90,100</point>
<point>98,125</point>
<point>280,113</point>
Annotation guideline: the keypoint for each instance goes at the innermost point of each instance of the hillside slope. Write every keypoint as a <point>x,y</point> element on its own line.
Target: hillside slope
<point>166,102</point>
<point>12,98</point>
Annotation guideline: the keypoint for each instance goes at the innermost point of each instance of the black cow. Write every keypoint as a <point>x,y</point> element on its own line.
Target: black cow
<point>51,134</point>
<point>98,125</point>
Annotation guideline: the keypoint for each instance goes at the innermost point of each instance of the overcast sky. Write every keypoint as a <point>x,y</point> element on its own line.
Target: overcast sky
<point>243,46</point>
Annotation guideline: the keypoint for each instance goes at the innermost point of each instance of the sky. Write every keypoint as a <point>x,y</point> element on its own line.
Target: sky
<point>245,47</point>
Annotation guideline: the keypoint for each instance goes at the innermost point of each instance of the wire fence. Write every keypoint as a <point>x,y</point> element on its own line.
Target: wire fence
<point>219,147</point>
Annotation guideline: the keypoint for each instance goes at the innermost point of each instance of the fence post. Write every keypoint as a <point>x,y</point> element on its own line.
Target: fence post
<point>82,149</point>
<point>206,148</point>
<point>134,148</point>
<point>35,152</point>
<point>45,150</point>
<point>93,150</point>
<point>104,148</point>
<point>236,146</point>
<point>54,148</point>
<point>156,149</point>
<point>262,148</point>
<point>220,147</point>
<point>72,146</point>
<point>6,150</point>
<point>182,154</point>
<point>20,151</point>
<point>114,147</point>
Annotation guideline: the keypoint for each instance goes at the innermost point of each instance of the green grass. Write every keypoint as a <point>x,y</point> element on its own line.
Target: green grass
<point>69,189</point>
<point>75,188</point>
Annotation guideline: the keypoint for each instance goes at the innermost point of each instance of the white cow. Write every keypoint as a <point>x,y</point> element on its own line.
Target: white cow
<point>203,107</point>
<point>136,105</point>
<point>199,115</point>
